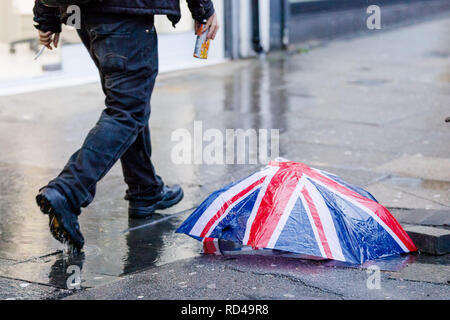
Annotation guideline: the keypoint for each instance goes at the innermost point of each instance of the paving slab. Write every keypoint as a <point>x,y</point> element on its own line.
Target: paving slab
<point>424,272</point>
<point>427,168</point>
<point>434,190</point>
<point>412,192</point>
<point>20,290</point>
<point>57,271</point>
<point>392,197</point>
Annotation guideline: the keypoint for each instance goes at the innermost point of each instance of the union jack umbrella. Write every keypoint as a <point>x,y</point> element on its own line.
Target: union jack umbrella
<point>291,207</point>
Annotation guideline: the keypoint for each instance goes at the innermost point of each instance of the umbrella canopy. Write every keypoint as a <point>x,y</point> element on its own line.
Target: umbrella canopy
<point>291,207</point>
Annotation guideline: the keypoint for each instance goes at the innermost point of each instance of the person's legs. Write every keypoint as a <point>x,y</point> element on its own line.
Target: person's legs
<point>126,54</point>
<point>146,191</point>
<point>138,169</point>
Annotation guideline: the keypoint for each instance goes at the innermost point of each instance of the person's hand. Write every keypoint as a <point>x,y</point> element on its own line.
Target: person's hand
<point>47,38</point>
<point>212,25</point>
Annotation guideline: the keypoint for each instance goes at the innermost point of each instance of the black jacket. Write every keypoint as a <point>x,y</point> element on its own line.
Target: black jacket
<point>49,19</point>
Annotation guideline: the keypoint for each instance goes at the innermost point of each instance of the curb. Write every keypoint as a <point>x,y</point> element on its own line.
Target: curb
<point>430,240</point>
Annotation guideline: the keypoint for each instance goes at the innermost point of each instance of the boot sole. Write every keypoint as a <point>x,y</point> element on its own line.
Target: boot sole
<point>56,228</point>
<point>143,213</point>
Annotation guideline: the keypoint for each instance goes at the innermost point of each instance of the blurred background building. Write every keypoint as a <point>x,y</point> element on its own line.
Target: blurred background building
<point>249,27</point>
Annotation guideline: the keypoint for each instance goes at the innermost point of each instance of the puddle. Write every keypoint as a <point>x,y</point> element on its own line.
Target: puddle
<point>283,262</point>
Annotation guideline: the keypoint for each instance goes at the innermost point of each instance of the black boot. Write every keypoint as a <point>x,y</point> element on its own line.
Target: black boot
<point>63,223</point>
<point>144,207</point>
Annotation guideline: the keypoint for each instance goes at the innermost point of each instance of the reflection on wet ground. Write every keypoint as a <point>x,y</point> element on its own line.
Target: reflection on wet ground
<point>350,118</point>
<point>287,262</point>
<point>229,250</point>
<point>115,245</point>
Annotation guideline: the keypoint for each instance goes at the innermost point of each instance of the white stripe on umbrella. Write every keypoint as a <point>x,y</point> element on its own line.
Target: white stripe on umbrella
<point>313,226</point>
<point>327,222</point>
<point>271,171</point>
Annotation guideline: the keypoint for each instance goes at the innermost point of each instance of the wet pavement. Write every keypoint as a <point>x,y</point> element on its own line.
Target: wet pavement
<point>255,277</point>
<point>369,109</point>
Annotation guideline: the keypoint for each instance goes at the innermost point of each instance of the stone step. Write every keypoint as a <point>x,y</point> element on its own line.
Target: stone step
<point>430,240</point>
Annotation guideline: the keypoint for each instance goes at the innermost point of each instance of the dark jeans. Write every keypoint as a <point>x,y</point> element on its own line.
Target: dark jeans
<point>125,50</point>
